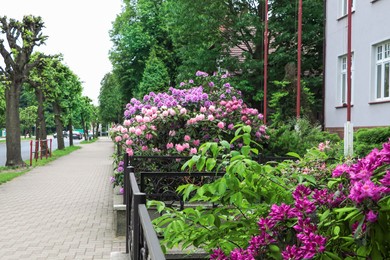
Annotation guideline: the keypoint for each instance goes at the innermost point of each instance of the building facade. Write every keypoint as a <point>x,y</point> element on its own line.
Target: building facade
<point>370,106</point>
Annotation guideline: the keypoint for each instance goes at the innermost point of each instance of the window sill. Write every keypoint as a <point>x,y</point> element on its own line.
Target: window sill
<point>346,15</point>
<point>379,102</point>
<point>342,106</point>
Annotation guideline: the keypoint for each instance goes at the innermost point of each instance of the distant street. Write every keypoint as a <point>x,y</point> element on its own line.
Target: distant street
<point>26,149</point>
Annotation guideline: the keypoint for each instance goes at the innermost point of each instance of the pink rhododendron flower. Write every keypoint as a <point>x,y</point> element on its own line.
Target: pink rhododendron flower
<point>193,150</point>
<point>187,138</point>
<point>203,109</point>
<point>169,145</point>
<point>221,125</point>
<point>125,136</point>
<point>127,123</point>
<point>144,148</point>
<point>118,139</point>
<point>196,142</point>
<point>148,136</point>
<point>130,151</point>
<point>183,111</point>
<point>121,190</point>
<point>129,142</point>
<point>210,117</point>
<point>138,132</point>
<point>179,148</point>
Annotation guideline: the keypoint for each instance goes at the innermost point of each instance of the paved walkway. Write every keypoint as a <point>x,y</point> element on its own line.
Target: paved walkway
<point>62,210</point>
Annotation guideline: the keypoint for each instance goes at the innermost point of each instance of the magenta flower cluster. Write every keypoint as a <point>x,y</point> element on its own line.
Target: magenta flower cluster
<point>364,185</point>
<point>279,221</point>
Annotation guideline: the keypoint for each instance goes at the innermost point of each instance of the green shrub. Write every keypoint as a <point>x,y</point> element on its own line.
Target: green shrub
<point>298,136</point>
<point>367,139</point>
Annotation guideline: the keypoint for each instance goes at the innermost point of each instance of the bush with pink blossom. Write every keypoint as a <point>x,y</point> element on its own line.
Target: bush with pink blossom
<point>178,121</point>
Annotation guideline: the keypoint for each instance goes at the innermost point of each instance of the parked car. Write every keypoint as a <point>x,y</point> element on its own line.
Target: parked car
<point>77,135</point>
<point>64,133</point>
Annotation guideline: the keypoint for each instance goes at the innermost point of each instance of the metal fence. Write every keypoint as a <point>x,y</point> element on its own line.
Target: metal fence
<point>141,239</point>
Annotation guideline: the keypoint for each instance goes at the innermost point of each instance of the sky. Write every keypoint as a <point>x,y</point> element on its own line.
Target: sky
<point>79,29</point>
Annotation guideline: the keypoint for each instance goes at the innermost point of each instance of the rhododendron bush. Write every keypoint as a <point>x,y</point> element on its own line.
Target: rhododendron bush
<point>178,121</point>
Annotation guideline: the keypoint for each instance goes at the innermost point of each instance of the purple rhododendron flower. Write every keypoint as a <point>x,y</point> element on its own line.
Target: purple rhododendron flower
<point>371,216</point>
<point>218,254</point>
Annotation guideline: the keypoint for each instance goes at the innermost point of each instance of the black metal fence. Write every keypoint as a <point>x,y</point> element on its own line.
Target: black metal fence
<point>141,239</point>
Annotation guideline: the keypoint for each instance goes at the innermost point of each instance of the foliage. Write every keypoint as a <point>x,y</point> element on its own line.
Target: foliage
<point>110,110</point>
<point>28,116</point>
<point>368,139</point>
<point>136,31</point>
<point>298,136</point>
<point>202,34</point>
<point>283,102</point>
<point>242,194</point>
<point>155,77</point>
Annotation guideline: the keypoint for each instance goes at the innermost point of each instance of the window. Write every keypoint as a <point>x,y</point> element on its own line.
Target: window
<point>343,83</point>
<point>382,71</point>
<point>344,7</point>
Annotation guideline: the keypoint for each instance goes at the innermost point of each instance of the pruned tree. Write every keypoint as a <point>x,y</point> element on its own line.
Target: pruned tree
<point>22,37</point>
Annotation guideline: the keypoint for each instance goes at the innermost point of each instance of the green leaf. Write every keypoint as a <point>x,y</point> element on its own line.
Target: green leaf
<point>292,154</point>
<point>336,230</point>
<point>346,209</point>
<point>200,163</point>
<point>332,255</point>
<point>210,163</point>
<point>245,150</point>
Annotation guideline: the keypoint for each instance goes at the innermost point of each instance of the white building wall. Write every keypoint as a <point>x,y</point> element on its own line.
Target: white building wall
<point>370,26</point>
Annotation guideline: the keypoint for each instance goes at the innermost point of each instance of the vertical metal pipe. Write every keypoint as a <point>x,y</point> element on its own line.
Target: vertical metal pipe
<point>349,61</point>
<point>31,142</point>
<point>265,60</point>
<point>299,59</point>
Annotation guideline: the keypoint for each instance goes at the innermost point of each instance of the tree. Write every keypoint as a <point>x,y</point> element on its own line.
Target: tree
<point>155,77</point>
<point>139,29</point>
<point>111,109</point>
<point>86,110</point>
<point>62,91</point>
<point>18,64</point>
<point>28,118</point>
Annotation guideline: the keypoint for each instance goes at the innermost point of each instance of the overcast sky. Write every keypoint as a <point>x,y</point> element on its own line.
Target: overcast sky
<point>76,28</point>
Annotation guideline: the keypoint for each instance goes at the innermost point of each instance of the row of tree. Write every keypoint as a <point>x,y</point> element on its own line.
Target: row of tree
<point>159,43</point>
<point>38,89</point>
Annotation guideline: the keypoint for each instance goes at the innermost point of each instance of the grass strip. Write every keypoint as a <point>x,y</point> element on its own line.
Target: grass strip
<point>8,173</point>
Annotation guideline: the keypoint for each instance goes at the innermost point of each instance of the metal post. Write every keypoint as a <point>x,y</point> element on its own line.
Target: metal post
<point>31,142</point>
<point>348,127</point>
<point>139,198</point>
<point>51,141</point>
<point>265,60</point>
<point>299,59</point>
<point>126,201</point>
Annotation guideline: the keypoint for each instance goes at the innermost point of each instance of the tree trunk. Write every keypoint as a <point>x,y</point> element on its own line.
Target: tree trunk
<point>70,127</point>
<point>59,126</point>
<point>12,95</point>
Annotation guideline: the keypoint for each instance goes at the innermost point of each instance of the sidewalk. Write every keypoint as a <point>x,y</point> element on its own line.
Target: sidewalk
<point>62,210</point>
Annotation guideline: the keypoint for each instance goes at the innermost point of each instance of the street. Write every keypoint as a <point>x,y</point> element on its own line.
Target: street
<point>25,147</point>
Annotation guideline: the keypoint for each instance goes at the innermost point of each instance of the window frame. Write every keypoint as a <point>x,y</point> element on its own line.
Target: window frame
<point>343,4</point>
<point>342,84</point>
<point>382,59</point>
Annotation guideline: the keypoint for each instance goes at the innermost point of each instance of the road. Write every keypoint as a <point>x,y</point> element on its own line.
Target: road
<point>25,147</point>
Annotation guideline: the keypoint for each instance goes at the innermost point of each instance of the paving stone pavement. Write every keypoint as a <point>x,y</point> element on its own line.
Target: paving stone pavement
<point>62,210</point>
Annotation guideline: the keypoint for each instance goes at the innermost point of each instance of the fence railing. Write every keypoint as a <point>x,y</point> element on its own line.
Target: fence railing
<point>141,239</point>
<point>42,148</point>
